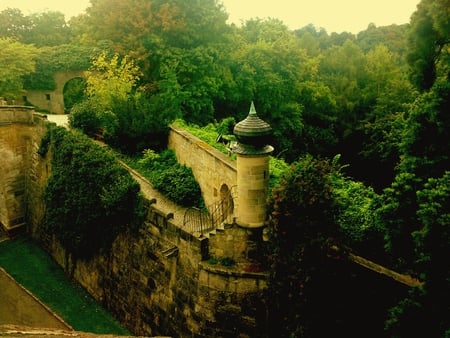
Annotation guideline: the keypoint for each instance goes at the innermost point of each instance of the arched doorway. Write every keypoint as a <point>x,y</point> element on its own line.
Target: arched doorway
<point>73,92</point>
<point>226,199</point>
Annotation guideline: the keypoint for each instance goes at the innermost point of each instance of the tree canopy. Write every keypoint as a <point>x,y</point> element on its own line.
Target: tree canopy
<point>379,99</point>
<point>16,60</point>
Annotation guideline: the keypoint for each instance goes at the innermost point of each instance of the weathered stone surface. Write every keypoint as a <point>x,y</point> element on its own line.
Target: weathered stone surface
<point>156,282</point>
<point>212,169</point>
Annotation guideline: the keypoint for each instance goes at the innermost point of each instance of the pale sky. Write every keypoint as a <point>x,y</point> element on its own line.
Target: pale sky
<point>333,15</point>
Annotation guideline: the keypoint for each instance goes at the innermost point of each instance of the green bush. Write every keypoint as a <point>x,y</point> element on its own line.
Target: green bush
<point>210,132</point>
<point>178,184</point>
<point>357,216</point>
<point>85,117</point>
<point>175,181</point>
<point>90,198</point>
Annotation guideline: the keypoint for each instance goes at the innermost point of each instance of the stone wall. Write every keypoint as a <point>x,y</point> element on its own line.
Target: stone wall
<point>214,171</point>
<point>53,100</point>
<point>160,281</point>
<point>20,133</point>
<point>16,114</point>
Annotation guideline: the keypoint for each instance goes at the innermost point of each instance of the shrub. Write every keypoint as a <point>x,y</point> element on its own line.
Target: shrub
<point>178,184</point>
<point>85,117</point>
<point>90,198</point>
<point>175,181</point>
<point>358,218</point>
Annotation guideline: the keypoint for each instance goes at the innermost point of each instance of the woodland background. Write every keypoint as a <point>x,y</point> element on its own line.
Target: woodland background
<point>361,127</point>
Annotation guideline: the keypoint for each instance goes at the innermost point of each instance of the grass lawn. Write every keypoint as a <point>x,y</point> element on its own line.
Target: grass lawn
<point>32,267</point>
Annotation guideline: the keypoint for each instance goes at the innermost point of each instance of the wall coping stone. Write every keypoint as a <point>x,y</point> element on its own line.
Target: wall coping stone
<point>205,146</point>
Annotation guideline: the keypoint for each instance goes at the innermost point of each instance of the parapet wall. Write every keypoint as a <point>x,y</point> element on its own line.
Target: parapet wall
<point>214,171</point>
<point>16,114</point>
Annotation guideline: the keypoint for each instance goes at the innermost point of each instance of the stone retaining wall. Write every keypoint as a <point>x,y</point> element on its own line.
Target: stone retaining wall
<point>158,281</point>
<point>21,131</point>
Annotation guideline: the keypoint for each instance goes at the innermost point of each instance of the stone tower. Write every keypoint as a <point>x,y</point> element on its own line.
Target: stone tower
<point>252,150</point>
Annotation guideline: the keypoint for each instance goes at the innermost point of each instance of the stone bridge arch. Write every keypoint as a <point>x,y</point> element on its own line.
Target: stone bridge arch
<point>53,100</point>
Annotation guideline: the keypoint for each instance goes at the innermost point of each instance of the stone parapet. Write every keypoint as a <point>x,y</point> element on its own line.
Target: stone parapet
<point>16,114</point>
<point>212,169</point>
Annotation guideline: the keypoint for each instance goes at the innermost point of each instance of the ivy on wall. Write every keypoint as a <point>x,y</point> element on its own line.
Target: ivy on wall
<point>89,197</point>
<point>52,59</point>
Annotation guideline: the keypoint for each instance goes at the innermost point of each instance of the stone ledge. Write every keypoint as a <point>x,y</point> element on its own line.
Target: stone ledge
<point>237,271</point>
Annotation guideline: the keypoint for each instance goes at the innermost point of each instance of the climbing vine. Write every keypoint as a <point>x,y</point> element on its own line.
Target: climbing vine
<point>89,197</point>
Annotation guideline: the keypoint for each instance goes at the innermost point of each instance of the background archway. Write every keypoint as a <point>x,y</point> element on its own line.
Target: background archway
<point>73,92</point>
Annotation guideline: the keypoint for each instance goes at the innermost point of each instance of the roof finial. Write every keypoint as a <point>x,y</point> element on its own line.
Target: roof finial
<point>252,109</point>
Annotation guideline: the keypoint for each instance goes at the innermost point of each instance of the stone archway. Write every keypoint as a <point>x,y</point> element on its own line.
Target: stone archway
<point>73,92</point>
<point>226,199</point>
<point>52,100</point>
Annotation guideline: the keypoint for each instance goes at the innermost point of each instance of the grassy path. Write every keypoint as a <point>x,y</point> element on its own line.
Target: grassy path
<point>33,268</point>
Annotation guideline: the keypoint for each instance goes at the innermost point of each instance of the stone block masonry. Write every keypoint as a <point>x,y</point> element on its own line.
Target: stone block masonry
<point>20,133</point>
<point>212,169</point>
<point>155,282</point>
<point>160,283</point>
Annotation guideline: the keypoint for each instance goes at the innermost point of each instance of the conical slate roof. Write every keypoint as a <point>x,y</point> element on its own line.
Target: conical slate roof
<point>253,130</point>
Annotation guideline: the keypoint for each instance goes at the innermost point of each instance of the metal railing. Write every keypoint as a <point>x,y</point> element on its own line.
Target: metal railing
<point>199,222</point>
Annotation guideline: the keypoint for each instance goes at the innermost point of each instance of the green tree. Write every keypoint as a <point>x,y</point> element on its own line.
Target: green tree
<point>198,23</point>
<point>415,214</point>
<point>426,140</point>
<point>428,43</point>
<point>13,24</point>
<point>302,226</point>
<point>269,67</point>
<point>388,96</point>
<point>124,31</point>
<point>426,311</point>
<point>424,154</point>
<point>130,117</point>
<point>392,36</point>
<point>197,82</point>
<point>47,29</point>
<point>16,60</point>
<point>40,29</point>
<point>342,70</point>
<point>111,79</point>
<point>179,23</point>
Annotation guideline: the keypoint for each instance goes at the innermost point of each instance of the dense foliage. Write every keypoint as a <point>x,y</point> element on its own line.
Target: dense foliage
<point>56,58</point>
<point>175,181</point>
<point>16,60</point>
<point>303,224</point>
<point>379,98</point>
<point>89,197</point>
<point>115,106</point>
